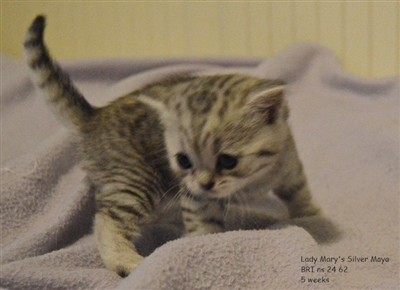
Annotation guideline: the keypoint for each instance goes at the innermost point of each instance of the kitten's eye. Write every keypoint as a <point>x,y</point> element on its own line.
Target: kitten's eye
<point>226,161</point>
<point>183,161</point>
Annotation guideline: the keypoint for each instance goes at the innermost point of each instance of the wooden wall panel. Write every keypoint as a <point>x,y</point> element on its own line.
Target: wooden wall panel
<point>357,37</point>
<point>260,32</point>
<point>385,41</point>
<point>364,34</point>
<point>282,21</point>
<point>306,21</point>
<point>331,25</point>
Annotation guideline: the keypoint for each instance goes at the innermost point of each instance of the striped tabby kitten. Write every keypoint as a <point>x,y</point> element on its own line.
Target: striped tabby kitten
<point>205,140</point>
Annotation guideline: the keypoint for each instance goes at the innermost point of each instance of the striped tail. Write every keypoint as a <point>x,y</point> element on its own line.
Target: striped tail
<point>56,85</point>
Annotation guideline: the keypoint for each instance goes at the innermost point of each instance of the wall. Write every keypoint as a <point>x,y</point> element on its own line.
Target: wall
<point>364,34</point>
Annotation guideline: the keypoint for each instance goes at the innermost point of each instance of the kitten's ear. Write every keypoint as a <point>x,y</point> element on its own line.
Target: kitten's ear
<point>267,103</point>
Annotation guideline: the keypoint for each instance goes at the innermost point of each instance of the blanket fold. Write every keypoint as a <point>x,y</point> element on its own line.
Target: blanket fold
<point>224,261</point>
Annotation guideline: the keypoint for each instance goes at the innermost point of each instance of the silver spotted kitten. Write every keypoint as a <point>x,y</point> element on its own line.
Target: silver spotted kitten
<point>199,141</point>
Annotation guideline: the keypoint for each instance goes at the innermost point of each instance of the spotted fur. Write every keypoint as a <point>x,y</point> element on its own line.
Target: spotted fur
<point>205,140</point>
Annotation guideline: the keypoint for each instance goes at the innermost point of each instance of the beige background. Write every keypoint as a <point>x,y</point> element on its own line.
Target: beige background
<point>364,34</point>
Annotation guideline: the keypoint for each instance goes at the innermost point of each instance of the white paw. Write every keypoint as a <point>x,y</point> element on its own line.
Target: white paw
<point>123,263</point>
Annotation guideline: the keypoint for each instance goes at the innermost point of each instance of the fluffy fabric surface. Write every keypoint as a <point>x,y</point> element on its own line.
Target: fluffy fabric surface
<point>347,133</point>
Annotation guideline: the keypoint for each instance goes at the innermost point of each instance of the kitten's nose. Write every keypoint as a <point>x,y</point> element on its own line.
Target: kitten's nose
<point>208,186</point>
<point>205,179</point>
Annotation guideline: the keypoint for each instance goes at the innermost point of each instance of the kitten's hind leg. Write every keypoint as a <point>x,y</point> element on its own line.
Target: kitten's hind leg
<point>293,188</point>
<point>297,198</point>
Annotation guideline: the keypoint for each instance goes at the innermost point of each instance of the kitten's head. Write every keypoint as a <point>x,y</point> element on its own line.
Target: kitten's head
<point>222,133</point>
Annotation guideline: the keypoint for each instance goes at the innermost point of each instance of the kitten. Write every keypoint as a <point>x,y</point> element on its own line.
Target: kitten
<point>205,140</point>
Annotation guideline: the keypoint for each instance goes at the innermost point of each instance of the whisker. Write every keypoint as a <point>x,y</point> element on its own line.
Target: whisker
<point>171,202</point>
<point>227,207</point>
<point>243,206</point>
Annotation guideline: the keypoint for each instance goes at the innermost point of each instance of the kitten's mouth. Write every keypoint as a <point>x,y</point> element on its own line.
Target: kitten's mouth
<point>197,192</point>
<point>210,194</point>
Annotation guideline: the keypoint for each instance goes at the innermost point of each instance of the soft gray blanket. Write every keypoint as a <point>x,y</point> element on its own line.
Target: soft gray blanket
<point>347,132</point>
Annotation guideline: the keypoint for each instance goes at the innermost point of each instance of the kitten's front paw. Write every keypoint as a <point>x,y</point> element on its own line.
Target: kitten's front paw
<point>123,265</point>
